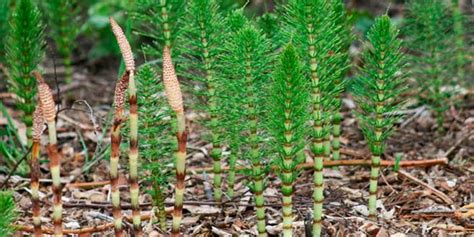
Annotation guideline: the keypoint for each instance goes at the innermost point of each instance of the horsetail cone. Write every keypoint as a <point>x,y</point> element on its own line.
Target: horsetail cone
<point>48,111</point>
<point>127,55</point>
<point>175,99</point>
<point>124,45</point>
<point>170,80</point>
<point>35,170</point>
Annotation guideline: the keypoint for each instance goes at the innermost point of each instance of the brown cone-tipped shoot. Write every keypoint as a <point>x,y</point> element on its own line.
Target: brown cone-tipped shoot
<point>116,137</point>
<point>48,109</point>
<point>127,55</point>
<point>175,99</point>
<point>38,122</point>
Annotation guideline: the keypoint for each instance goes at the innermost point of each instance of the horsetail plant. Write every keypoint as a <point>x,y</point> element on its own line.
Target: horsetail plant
<point>344,38</point>
<point>248,63</point>
<point>38,122</point>
<point>24,51</point>
<point>288,118</point>
<point>428,39</point>
<point>232,111</point>
<point>62,17</point>
<point>311,25</point>
<point>175,99</point>
<point>378,91</point>
<point>204,35</point>
<point>48,110</point>
<point>127,55</point>
<point>155,145</point>
<point>116,138</point>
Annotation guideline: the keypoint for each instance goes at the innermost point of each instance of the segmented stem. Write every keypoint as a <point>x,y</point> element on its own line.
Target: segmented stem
<point>166,24</point>
<point>255,154</point>
<point>48,111</point>
<point>35,170</point>
<point>180,157</point>
<point>216,151</point>
<point>55,167</point>
<point>133,155</point>
<point>116,138</point>
<point>374,176</point>
<point>287,190</point>
<point>34,176</point>
<point>175,99</point>
<point>231,173</point>
<point>259,199</point>
<point>318,146</point>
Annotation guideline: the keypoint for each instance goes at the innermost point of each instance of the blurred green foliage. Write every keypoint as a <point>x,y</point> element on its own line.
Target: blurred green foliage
<point>97,25</point>
<point>8,213</point>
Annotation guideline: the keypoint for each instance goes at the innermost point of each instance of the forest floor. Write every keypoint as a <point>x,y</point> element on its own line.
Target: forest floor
<point>435,200</point>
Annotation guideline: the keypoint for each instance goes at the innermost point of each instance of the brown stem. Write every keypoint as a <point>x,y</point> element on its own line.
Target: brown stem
<point>34,175</point>
<point>116,138</point>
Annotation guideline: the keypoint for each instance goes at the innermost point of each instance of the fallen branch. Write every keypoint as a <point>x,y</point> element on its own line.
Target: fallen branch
<point>88,184</point>
<point>308,165</point>
<point>435,191</point>
<point>332,163</point>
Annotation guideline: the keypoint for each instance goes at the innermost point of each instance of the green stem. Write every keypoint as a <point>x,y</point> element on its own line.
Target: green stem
<point>318,132</point>
<point>217,169</point>
<point>254,151</point>
<point>231,172</point>
<point>374,175</point>
<point>287,210</point>
<point>259,199</point>
<point>166,24</point>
